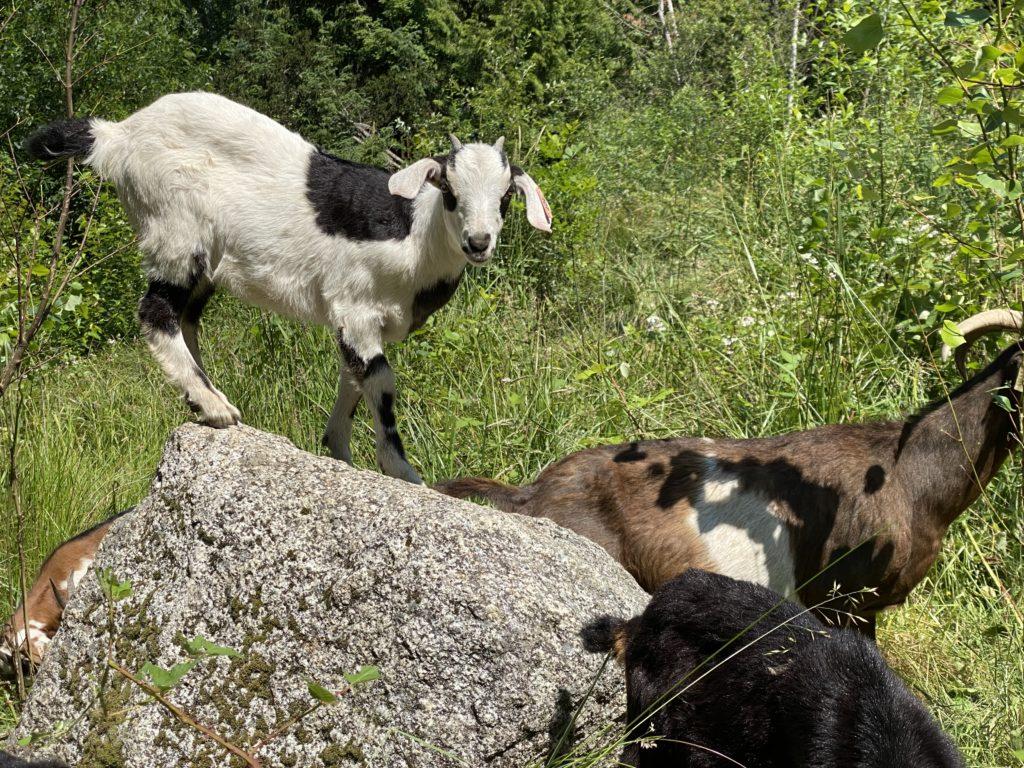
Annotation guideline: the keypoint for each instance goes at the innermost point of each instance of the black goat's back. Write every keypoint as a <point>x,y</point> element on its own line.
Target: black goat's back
<point>786,692</point>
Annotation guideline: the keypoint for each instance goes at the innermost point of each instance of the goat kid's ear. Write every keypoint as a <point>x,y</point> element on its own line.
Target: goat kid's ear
<point>408,181</point>
<point>538,213</point>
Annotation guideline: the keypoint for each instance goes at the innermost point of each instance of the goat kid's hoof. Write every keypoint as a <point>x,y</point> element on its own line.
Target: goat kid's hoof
<point>214,409</point>
<point>409,475</point>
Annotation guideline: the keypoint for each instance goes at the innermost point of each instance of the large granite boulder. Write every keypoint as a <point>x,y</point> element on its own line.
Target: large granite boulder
<point>310,569</point>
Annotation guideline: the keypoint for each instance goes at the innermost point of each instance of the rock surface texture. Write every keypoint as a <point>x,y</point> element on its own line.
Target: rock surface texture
<point>310,569</point>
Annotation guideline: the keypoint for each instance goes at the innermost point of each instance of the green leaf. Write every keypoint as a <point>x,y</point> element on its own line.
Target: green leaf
<point>969,128</point>
<point>950,95</point>
<point>165,679</point>
<point>1003,402</point>
<point>364,675</point>
<point>950,334</point>
<point>320,693</point>
<point>976,16</point>
<point>865,35</point>
<point>1015,140</point>
<point>39,270</point>
<point>114,590</point>
<point>591,371</point>
<point>200,646</point>
<point>946,307</point>
<point>1019,754</point>
<point>995,185</point>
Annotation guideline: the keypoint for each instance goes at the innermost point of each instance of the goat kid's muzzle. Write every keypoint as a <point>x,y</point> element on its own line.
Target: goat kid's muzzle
<point>478,248</point>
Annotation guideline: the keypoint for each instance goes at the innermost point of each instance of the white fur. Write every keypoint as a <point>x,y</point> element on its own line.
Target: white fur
<point>198,172</point>
<point>744,538</point>
<point>79,573</point>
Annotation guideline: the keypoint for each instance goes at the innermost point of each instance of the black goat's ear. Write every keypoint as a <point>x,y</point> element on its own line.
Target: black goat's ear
<point>604,634</point>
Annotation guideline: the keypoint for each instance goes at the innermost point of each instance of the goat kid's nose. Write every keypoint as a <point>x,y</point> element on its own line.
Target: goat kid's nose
<point>479,243</point>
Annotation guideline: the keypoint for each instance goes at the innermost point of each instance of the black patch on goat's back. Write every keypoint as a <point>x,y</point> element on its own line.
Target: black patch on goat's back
<point>874,479</point>
<point>630,453</point>
<point>352,200</point>
<point>64,138</point>
<point>429,300</point>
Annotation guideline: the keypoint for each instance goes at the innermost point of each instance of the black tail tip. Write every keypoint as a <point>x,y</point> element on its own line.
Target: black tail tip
<point>599,635</point>
<point>64,138</point>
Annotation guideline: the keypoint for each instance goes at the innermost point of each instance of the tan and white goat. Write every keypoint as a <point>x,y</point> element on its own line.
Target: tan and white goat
<point>28,632</point>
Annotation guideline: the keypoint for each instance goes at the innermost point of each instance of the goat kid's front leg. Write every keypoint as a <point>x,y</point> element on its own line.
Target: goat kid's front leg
<point>364,357</point>
<point>339,425</point>
<point>160,314</point>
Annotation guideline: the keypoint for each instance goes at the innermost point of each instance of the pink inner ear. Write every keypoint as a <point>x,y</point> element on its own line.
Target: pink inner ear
<point>545,206</point>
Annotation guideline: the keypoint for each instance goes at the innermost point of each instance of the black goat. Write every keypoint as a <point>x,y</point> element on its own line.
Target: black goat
<point>721,672</point>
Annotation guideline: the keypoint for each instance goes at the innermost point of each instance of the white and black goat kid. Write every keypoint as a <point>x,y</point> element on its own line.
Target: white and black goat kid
<point>224,197</point>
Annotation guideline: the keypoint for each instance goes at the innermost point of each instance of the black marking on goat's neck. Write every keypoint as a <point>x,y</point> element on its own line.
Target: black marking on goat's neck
<point>936,443</point>
<point>353,200</point>
<point>429,300</point>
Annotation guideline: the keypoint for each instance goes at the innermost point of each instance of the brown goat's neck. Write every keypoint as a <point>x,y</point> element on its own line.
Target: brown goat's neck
<point>951,449</point>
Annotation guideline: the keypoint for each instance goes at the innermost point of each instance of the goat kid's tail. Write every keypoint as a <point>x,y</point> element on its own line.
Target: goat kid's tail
<point>64,138</point>
<point>507,498</point>
<point>607,633</point>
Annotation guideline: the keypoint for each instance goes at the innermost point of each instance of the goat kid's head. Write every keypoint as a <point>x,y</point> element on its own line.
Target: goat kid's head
<point>28,648</point>
<point>476,183</point>
<point>13,646</point>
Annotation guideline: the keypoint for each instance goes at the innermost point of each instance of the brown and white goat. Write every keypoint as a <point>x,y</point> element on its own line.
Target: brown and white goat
<point>44,604</point>
<point>858,506</point>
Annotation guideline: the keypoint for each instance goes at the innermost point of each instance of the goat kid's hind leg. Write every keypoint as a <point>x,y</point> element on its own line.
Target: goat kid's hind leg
<point>339,426</point>
<point>160,314</point>
<point>368,365</point>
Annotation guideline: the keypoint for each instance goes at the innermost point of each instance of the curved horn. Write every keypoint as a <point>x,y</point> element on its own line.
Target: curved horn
<point>976,326</point>
<point>456,144</point>
<point>499,145</point>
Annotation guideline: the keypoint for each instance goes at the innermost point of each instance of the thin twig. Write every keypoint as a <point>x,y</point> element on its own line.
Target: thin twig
<point>182,716</point>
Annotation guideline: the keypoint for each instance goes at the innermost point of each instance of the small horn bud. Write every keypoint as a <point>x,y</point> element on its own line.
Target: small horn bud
<point>61,601</point>
<point>499,145</point>
<point>456,144</point>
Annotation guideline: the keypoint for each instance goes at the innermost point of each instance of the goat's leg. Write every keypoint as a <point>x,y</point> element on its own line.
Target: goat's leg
<point>339,425</point>
<point>364,357</point>
<point>190,316</point>
<point>160,314</point>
